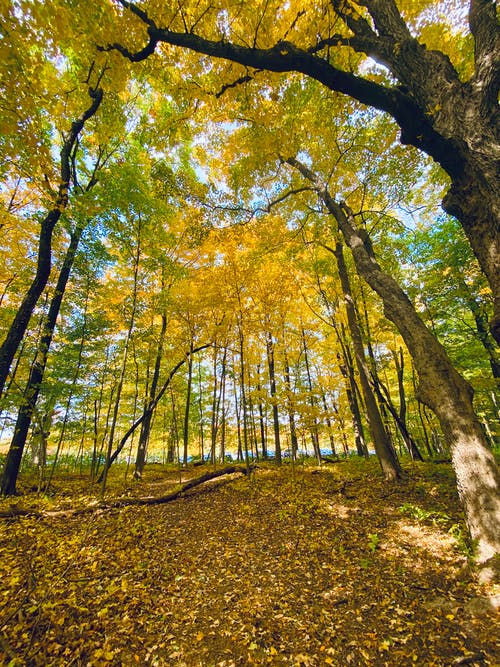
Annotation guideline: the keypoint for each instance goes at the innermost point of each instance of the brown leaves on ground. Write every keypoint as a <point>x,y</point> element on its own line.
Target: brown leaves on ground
<point>291,567</point>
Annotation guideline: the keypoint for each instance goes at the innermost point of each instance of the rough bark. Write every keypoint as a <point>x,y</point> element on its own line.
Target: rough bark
<point>441,387</point>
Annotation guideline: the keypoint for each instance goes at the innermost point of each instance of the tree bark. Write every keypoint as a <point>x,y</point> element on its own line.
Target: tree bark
<point>140,459</point>
<point>137,256</point>
<point>383,447</point>
<point>441,387</point>
<point>312,400</point>
<point>32,389</point>
<point>20,323</point>
<point>272,385</point>
<point>187,409</point>
<point>290,407</point>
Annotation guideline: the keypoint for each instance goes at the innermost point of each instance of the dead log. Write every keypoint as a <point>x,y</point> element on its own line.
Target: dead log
<point>14,511</point>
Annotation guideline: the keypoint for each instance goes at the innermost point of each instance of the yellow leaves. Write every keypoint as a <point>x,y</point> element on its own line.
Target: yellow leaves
<point>434,110</point>
<point>199,636</point>
<point>103,654</point>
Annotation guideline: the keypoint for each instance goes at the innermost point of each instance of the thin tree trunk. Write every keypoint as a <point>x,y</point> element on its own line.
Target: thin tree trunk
<point>32,389</point>
<point>185,434</point>
<point>262,429</point>
<point>146,424</point>
<point>200,410</point>
<point>385,452</point>
<point>312,400</point>
<point>291,413</point>
<point>328,421</point>
<point>151,408</point>
<point>20,323</point>
<point>274,402</point>
<point>71,393</point>
<point>123,369</point>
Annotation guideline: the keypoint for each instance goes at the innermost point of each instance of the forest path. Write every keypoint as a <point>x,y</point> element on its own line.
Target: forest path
<point>290,567</point>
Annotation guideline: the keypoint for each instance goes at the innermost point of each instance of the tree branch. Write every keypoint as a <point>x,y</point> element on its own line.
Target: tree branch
<point>149,410</point>
<point>387,19</point>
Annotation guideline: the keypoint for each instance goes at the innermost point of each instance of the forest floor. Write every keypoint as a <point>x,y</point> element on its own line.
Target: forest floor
<point>293,566</point>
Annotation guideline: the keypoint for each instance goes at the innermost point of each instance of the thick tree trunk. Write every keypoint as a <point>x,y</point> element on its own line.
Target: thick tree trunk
<point>441,387</point>
<point>19,325</point>
<point>444,390</point>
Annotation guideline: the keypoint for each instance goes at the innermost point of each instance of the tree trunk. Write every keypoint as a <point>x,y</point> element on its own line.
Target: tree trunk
<point>383,447</point>
<point>137,256</point>
<point>185,433</point>
<point>312,400</point>
<point>32,389</point>
<point>291,413</point>
<point>140,459</point>
<point>328,422</point>
<point>441,387</point>
<point>262,428</point>
<point>272,385</point>
<point>347,369</point>
<point>455,121</point>
<point>20,323</point>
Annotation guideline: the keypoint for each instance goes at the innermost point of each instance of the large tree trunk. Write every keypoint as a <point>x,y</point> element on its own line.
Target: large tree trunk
<point>441,387</point>
<point>446,392</point>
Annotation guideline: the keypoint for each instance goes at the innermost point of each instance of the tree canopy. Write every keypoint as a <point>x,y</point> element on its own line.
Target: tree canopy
<point>223,223</point>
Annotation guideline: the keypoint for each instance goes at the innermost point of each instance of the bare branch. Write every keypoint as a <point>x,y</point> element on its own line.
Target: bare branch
<point>234,84</point>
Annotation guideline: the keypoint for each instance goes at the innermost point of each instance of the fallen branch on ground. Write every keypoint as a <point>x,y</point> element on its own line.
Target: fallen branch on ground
<point>14,511</point>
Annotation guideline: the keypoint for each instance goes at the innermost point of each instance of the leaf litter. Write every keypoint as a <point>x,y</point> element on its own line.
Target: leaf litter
<point>301,566</point>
